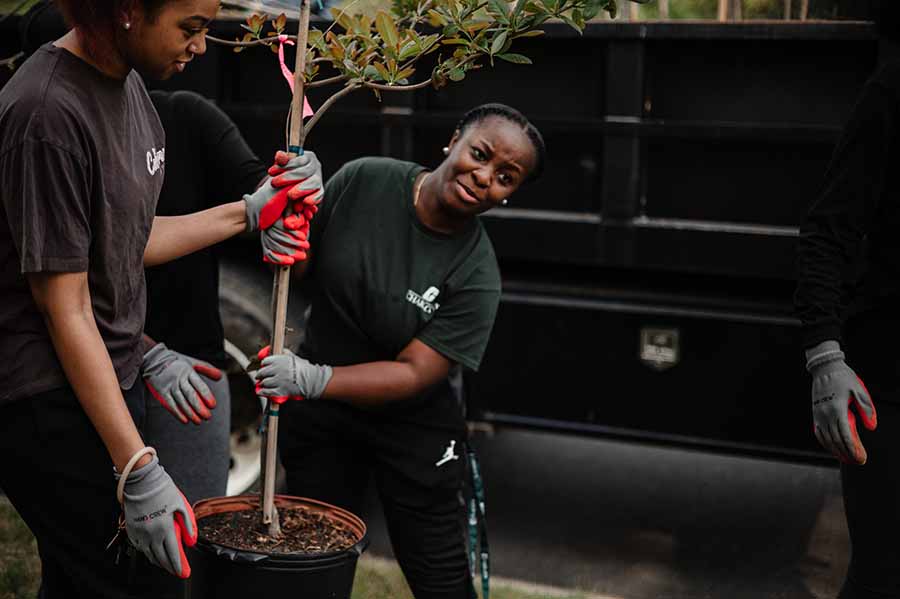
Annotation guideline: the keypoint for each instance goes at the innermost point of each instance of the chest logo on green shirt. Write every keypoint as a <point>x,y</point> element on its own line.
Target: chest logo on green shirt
<point>424,302</point>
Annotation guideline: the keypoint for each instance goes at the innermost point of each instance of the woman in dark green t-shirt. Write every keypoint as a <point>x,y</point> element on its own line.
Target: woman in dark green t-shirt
<point>404,289</point>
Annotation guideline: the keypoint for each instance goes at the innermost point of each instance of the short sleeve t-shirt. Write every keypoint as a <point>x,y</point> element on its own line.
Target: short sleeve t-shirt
<point>380,278</point>
<point>82,157</point>
<point>209,164</point>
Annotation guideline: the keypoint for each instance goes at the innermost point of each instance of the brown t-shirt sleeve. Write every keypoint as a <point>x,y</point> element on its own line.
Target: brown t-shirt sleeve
<point>47,206</point>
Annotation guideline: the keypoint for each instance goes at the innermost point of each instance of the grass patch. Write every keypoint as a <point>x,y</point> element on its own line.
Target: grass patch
<point>20,568</point>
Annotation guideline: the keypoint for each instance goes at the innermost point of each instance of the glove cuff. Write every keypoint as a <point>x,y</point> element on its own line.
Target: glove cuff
<point>823,353</point>
<point>153,354</point>
<point>325,374</point>
<point>128,475</point>
<point>252,215</point>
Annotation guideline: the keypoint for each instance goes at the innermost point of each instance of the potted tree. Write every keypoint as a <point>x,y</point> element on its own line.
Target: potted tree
<point>272,543</point>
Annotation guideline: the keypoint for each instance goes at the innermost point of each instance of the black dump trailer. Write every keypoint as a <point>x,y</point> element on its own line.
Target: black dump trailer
<point>648,276</point>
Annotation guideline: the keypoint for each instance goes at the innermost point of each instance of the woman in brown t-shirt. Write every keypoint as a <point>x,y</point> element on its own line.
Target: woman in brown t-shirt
<point>82,159</point>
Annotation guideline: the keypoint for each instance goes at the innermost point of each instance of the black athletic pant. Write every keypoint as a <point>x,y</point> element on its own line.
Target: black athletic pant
<point>330,450</point>
<point>57,473</point>
<point>872,491</point>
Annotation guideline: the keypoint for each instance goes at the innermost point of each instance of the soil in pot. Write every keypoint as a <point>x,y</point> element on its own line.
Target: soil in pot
<point>234,557</point>
<point>304,531</point>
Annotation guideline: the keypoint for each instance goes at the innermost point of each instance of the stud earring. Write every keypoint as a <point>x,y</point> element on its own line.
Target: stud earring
<point>126,25</point>
<point>446,151</point>
<point>505,202</point>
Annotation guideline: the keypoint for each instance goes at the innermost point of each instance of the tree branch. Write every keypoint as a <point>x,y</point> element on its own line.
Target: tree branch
<point>261,41</point>
<point>328,103</point>
<point>323,82</point>
<point>398,88</point>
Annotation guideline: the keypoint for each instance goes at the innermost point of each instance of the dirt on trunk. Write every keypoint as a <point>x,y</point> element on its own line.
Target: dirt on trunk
<point>304,531</point>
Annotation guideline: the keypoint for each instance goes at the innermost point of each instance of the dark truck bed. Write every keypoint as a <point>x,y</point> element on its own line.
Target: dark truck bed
<point>648,274</point>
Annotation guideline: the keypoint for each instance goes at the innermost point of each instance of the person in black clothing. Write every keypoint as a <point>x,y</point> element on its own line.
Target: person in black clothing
<point>404,288</point>
<point>847,296</point>
<point>208,163</point>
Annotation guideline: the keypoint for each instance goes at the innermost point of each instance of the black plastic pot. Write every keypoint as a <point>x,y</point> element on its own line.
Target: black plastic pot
<point>220,572</point>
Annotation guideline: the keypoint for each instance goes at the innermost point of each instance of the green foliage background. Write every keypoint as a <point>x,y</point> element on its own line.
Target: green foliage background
<point>703,9</point>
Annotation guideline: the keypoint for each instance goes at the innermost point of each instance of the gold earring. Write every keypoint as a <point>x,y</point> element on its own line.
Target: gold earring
<point>446,151</point>
<point>505,202</point>
<point>126,25</point>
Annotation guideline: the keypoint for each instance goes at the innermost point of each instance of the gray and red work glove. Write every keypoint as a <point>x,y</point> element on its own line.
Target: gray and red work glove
<point>296,180</point>
<point>284,246</point>
<point>288,376</point>
<point>836,392</point>
<point>159,520</point>
<point>175,381</point>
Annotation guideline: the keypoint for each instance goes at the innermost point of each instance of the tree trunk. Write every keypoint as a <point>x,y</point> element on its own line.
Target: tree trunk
<point>787,10</point>
<point>730,10</point>
<point>724,12</point>
<point>634,10</point>
<point>663,9</point>
<point>804,10</point>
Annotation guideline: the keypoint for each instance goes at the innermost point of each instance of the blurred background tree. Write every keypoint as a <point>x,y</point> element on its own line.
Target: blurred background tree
<point>759,9</point>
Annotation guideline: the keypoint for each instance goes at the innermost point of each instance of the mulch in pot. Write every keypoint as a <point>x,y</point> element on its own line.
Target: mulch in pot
<point>304,531</point>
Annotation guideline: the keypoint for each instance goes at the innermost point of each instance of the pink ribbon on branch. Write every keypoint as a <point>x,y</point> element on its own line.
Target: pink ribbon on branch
<point>282,40</point>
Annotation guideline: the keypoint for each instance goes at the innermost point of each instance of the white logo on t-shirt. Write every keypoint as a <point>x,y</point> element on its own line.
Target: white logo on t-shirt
<point>155,159</point>
<point>424,302</point>
<point>449,454</point>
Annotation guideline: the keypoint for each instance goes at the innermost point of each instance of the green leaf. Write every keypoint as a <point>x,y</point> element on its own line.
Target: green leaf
<point>498,9</point>
<point>342,18</point>
<point>386,28</point>
<point>477,26</point>
<point>570,22</point>
<point>455,41</point>
<point>457,74</point>
<point>316,39</point>
<point>337,51</point>
<point>429,42</point>
<point>247,37</point>
<point>515,58</point>
<point>499,42</point>
<point>578,17</point>
<point>611,8</point>
<point>382,71</point>
<point>436,19</point>
<point>532,33</point>
<point>407,72</point>
<point>520,6</point>
<point>408,50</point>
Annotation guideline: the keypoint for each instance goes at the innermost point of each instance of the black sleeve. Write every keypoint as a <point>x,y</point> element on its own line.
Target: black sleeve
<point>46,201</point>
<point>231,167</point>
<point>838,220</point>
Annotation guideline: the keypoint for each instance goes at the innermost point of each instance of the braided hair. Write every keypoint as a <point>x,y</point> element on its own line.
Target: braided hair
<point>480,113</point>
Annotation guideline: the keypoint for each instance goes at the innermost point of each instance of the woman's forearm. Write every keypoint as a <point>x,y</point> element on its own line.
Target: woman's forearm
<point>416,368</point>
<point>175,236</point>
<point>89,370</point>
<point>374,383</point>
